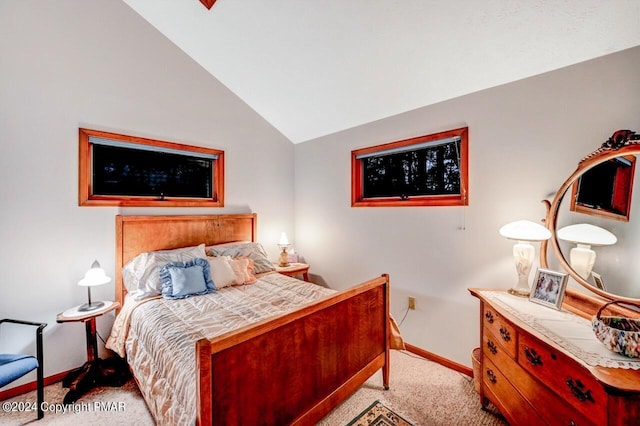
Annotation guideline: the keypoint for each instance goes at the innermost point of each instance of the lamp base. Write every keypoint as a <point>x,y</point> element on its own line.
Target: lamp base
<point>517,292</point>
<point>284,258</point>
<point>87,307</point>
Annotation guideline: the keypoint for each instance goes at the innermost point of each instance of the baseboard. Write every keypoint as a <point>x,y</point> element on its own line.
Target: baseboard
<point>28,387</point>
<point>439,359</point>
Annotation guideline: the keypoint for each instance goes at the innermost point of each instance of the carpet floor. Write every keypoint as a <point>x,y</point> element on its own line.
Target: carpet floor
<point>423,392</point>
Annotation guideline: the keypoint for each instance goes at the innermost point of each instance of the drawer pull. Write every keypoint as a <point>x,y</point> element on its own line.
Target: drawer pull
<point>489,316</point>
<point>506,336</point>
<point>491,376</point>
<point>578,390</point>
<point>492,347</point>
<point>532,356</point>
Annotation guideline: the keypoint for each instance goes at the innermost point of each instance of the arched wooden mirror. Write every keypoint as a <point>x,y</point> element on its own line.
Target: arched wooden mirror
<point>609,171</point>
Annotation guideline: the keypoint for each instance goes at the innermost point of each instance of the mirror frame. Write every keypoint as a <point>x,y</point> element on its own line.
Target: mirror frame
<point>622,142</point>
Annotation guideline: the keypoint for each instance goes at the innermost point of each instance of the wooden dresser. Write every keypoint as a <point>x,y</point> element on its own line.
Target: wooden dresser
<point>533,381</point>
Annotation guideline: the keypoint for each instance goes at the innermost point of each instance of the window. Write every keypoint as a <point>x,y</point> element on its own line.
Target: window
<point>120,170</point>
<point>429,170</point>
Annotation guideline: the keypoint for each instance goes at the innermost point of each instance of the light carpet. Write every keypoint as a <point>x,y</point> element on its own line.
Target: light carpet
<point>423,392</point>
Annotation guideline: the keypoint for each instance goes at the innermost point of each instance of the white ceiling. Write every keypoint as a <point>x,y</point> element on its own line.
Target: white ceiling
<point>315,67</point>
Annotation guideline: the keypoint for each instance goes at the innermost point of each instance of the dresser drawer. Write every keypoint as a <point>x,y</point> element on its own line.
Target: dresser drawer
<point>512,405</point>
<point>504,332</point>
<point>553,410</point>
<point>494,350</point>
<point>549,406</point>
<point>569,380</point>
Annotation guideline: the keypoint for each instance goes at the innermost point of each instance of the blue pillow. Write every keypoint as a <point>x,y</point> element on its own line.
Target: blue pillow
<point>184,279</point>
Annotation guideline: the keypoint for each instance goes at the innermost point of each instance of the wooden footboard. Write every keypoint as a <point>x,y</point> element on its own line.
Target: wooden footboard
<point>297,367</point>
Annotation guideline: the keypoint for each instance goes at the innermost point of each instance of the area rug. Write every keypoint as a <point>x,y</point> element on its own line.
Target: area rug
<point>377,414</point>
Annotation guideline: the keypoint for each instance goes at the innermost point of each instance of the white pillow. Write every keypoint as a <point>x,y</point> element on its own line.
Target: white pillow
<point>142,273</point>
<point>254,251</point>
<point>222,273</point>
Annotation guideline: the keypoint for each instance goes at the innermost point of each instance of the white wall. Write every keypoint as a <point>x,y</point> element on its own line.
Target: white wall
<point>66,64</point>
<point>525,139</point>
<point>97,64</point>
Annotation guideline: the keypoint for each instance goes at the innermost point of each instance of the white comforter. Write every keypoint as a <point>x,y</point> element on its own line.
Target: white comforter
<point>158,336</point>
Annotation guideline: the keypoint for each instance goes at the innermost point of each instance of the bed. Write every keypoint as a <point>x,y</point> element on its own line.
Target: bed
<point>292,367</point>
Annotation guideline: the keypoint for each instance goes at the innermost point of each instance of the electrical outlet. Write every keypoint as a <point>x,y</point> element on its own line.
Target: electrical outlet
<point>412,302</point>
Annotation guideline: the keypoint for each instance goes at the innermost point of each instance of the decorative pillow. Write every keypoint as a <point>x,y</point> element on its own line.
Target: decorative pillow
<point>254,251</point>
<point>184,279</point>
<point>141,274</point>
<point>243,267</point>
<point>221,272</point>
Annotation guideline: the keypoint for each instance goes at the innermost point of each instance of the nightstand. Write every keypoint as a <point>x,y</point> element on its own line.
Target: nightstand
<point>294,269</point>
<point>96,371</point>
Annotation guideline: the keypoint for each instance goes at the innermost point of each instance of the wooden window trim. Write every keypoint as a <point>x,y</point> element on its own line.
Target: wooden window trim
<point>461,199</point>
<point>85,191</point>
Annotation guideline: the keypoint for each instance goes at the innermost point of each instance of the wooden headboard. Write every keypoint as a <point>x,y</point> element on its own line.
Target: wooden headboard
<point>139,234</point>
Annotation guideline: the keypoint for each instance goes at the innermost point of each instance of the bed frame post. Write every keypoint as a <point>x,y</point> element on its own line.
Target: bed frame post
<point>203,370</point>
<point>387,358</point>
<point>120,290</point>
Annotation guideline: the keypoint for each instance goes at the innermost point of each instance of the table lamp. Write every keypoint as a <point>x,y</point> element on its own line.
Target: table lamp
<point>524,232</point>
<point>94,276</point>
<point>584,235</point>
<point>283,244</point>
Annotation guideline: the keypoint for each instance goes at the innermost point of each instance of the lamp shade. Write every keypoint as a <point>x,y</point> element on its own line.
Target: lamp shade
<point>525,230</point>
<point>585,233</point>
<point>94,276</point>
<point>284,241</point>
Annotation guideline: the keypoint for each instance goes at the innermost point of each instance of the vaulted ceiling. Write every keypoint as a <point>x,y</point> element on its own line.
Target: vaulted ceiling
<point>315,67</point>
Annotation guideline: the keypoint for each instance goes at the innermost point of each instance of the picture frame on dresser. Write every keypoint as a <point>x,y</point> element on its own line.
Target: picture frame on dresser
<point>598,281</point>
<point>548,288</point>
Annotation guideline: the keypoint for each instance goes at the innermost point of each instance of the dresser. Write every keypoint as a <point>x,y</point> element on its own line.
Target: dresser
<point>534,380</point>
